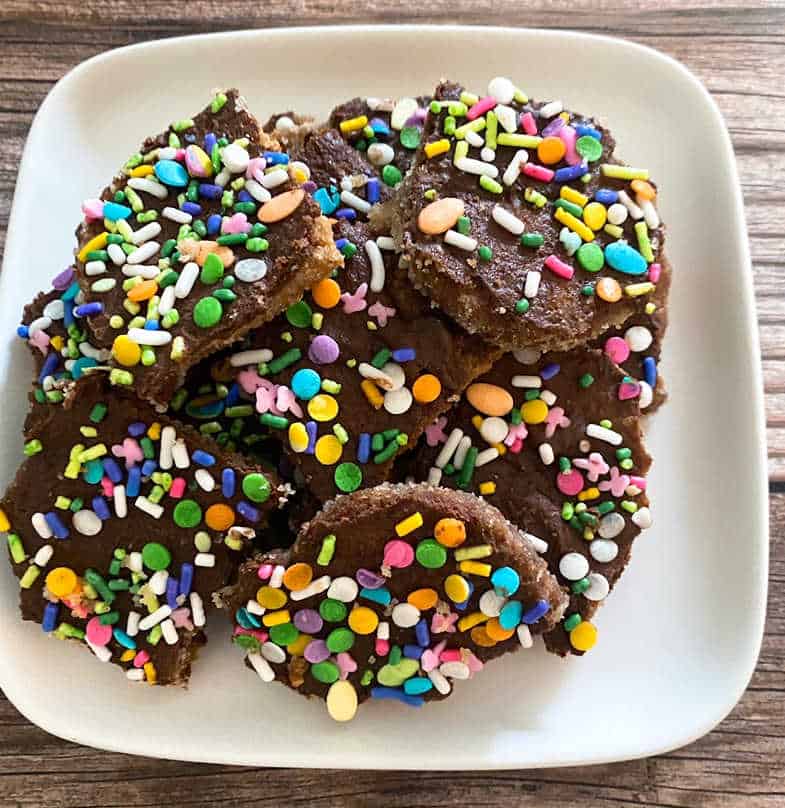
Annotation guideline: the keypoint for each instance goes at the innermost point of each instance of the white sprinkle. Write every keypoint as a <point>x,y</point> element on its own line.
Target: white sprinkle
<point>43,556</point>
<point>235,157</point>
<point>486,456</point>
<point>403,110</point>
<point>646,395</point>
<point>197,609</point>
<point>601,433</point>
<point>584,446</point>
<point>204,560</point>
<point>383,630</point>
<point>546,453</point>
<point>539,544</point>
<point>650,215</point>
<point>380,154</point>
<point>611,525</point>
<point>243,358</point>
<point>54,309</point>
<point>134,674</point>
<point>473,139</point>
<point>154,618</point>
<point>284,124</point>
<point>275,178</point>
<point>502,89</point>
<point>513,170</point>
<point>166,303</point>
<point>117,254</point>
<point>204,480</point>
<point>134,561</point>
<point>526,381</point>
<point>491,604</point>
<point>96,267</point>
<point>494,430</point>
<point>573,566</point>
<point>222,177</point>
<point>603,550</point>
<point>532,284</point>
<point>298,167</point>
<point>598,587</point>
<point>455,670</point>
<point>120,503</point>
<point>169,632</point>
<point>457,239</point>
<point>101,651</point>
<point>439,682</point>
<point>273,653</point>
<point>404,615</point>
<point>385,243</point>
<point>180,454</point>
<point>354,201</point>
<point>507,220</point>
<point>344,589</point>
<point>368,371</point>
<point>103,285</point>
<point>632,208</point>
<point>642,518</point>
<point>617,213</point>
<point>132,625</point>
<point>316,587</point>
<point>167,153</point>
<point>550,109</point>
<point>148,186</point>
<point>176,215</point>
<point>157,582</point>
<point>397,402</point>
<point>168,438</point>
<point>253,607</point>
<point>151,508</point>
<point>487,154</point>
<point>395,374</point>
<point>276,579</point>
<point>525,636</point>
<point>450,445</point>
<point>146,272</point>
<point>471,166</point>
<point>257,191</point>
<point>39,324</point>
<point>460,453</point>
<point>143,336</point>
<point>143,234</point>
<point>261,666</point>
<point>87,523</point>
<point>377,265</point>
<point>141,254</point>
<point>434,476</point>
<point>549,397</point>
<point>507,117</point>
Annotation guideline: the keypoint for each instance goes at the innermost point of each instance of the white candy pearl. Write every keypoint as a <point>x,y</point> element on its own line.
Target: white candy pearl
<point>502,89</point>
<point>494,430</point>
<point>344,589</point>
<point>611,525</point>
<point>404,615</point>
<point>235,158</point>
<point>573,566</point>
<point>598,587</point>
<point>617,213</point>
<point>603,550</point>
<point>87,523</point>
<point>397,402</point>
<point>638,337</point>
<point>380,154</point>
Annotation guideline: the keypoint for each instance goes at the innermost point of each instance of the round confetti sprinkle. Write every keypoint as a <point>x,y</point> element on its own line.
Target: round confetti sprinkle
<point>271,598</point>
<point>426,388</point>
<point>306,383</point>
<point>410,137</point>
<point>297,576</point>
<point>207,312</point>
<point>609,290</point>
<point>584,636</point>
<point>256,487</point>
<point>97,633</point>
<point>456,588</point>
<point>126,351</point>
<point>431,554</point>
<point>326,672</point>
<point>363,620</point>
<point>591,257</point>
<point>332,610</point>
<point>323,350</point>
<point>534,412</point>
<point>308,621</point>
<point>328,450</point>
<point>61,582</point>
<point>339,640</point>
<point>187,513</point>
<point>155,556</point>
<point>550,150</point>
<point>397,402</point>
<point>589,148</point>
<point>423,599</point>
<point>326,293</point>
<point>219,517</point>
<point>284,634</point>
<point>212,270</point>
<point>450,532</point>
<point>342,701</point>
<point>299,314</point>
<point>323,407</point>
<point>250,270</point>
<point>348,477</point>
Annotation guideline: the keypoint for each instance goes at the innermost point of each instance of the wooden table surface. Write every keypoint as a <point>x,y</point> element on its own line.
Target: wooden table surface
<point>738,51</point>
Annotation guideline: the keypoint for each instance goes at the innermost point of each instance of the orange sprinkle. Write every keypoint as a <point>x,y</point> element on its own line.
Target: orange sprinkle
<point>496,632</point>
<point>297,577</point>
<point>481,637</point>
<point>550,150</point>
<point>426,388</point>
<point>326,293</point>
<point>143,291</point>
<point>375,398</point>
<point>219,517</point>
<point>450,532</point>
<point>644,189</point>
<point>608,289</point>
<point>423,599</point>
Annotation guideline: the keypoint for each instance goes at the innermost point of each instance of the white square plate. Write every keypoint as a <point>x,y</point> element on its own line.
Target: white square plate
<point>679,637</point>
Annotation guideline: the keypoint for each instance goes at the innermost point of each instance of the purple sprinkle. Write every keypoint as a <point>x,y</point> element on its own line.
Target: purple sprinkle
<point>404,354</point>
<point>369,580</point>
<point>247,511</point>
<point>536,612</point>
<point>346,213</point>
<point>308,621</point>
<point>316,651</point>
<point>210,141</point>
<point>191,207</point>
<point>553,127</point>
<point>310,428</point>
<point>210,191</point>
<point>101,508</point>
<point>62,281</point>
<point>227,483</point>
<point>89,309</point>
<point>550,370</point>
<point>136,429</point>
<point>113,471</point>
<point>422,633</point>
<point>323,350</point>
<point>309,186</point>
<point>171,593</point>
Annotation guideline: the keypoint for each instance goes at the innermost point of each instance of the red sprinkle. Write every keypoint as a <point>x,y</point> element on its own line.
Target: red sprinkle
<point>528,124</point>
<point>558,267</point>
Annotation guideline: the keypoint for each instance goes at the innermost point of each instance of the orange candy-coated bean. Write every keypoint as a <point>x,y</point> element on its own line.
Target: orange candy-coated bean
<point>644,189</point>
<point>608,289</point>
<point>326,293</point>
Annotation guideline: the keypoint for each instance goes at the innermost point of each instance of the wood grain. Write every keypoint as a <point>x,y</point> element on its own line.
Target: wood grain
<point>738,51</point>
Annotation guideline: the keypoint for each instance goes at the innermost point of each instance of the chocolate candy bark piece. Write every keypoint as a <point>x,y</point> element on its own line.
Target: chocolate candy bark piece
<point>395,592</point>
<point>565,429</point>
<point>206,233</point>
<point>121,524</point>
<point>520,222</point>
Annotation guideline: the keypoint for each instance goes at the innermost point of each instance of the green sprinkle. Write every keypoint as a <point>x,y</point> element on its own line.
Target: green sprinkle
<point>579,587</point>
<point>33,447</point>
<point>570,207</point>
<point>218,102</point>
<point>572,621</point>
<point>232,239</point>
<point>239,411</point>
<point>348,477</point>
<point>589,148</point>
<point>284,360</point>
<point>340,432</point>
<point>328,550</point>
<point>207,312</point>
<point>430,554</point>
<point>256,487</point>
<point>587,380</point>
<point>98,413</point>
<point>16,548</point>
<point>99,584</point>
<point>591,257</point>
<point>367,678</point>
<point>332,610</point>
<point>391,175</point>
<point>212,270</point>
<point>521,306</point>
<point>29,577</point>
<point>490,185</point>
<point>464,225</point>
<point>381,358</point>
<point>567,511</point>
<point>274,421</point>
<point>299,314</point>
<point>395,655</point>
<point>410,137</point>
<point>467,469</point>
<point>587,290</point>
<point>532,240</point>
<point>225,295</point>
<point>485,253</point>
<point>386,454</point>
<point>449,126</point>
<point>256,245</point>
<point>182,125</point>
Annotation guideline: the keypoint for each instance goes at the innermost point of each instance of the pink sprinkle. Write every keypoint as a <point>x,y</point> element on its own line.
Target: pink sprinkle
<point>182,618</point>
<point>539,173</point>
<point>141,659</point>
<point>346,664</point>
<point>558,267</point>
<point>237,223</point>
<point>451,655</point>
<point>654,272</point>
<point>97,633</point>
<point>93,209</point>
<point>355,302</point>
<point>382,647</point>
<point>475,665</point>
<point>255,170</point>
<point>570,482</point>
<point>430,657</point>
<point>638,482</point>
<point>40,340</point>
<point>265,571</point>
<point>177,489</point>
<point>481,107</point>
<point>398,553</point>
<point>180,155</point>
<point>108,487</point>
<point>251,632</point>
<point>628,390</point>
<point>568,136</point>
<point>528,124</point>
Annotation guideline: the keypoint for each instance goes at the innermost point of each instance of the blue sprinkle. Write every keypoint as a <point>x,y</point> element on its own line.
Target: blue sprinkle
<point>210,142</point>
<point>23,331</point>
<point>364,447</point>
<point>50,366</point>
<point>510,615</point>
<point>71,292</point>
<point>56,525</point>
<point>306,383</point>
<point>328,200</point>
<point>170,172</point>
<point>133,486</point>
<point>148,467</point>
<point>81,364</point>
<point>311,429</point>
<point>247,511</point>
<point>650,371</point>
<point>404,354</point>
<point>244,196</point>
<point>68,313</point>
<point>171,593</point>
<point>413,651</point>
<point>341,243</point>
<point>151,325</point>
<point>191,207</point>
<point>505,581</point>
<point>550,370</point>
<point>101,508</point>
<point>186,578</point>
<point>203,458</point>
<point>349,214</point>
<point>210,191</point>
<point>394,693</point>
<point>246,619</point>
<point>89,309</point>
<point>233,396</point>
<point>227,483</point>
<point>213,224</point>
<point>276,158</point>
<point>570,173</point>
<point>373,191</point>
<point>606,196</point>
<point>381,595</point>
<point>422,633</point>
<point>113,471</point>
<point>584,129</point>
<point>379,127</point>
<point>624,258</point>
<point>114,211</point>
<point>124,639</point>
<point>417,685</point>
<point>136,429</point>
<point>51,611</point>
<point>535,613</point>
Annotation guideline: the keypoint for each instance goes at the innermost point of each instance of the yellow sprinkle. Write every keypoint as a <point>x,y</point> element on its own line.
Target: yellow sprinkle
<point>589,493</point>
<point>72,470</point>
<point>488,488</point>
<point>571,195</point>
<point>5,525</point>
<point>477,422</point>
<point>406,526</point>
<point>478,551</point>
<point>477,125</point>
<point>461,151</point>
<point>638,289</point>
<point>437,147</point>
<point>88,431</point>
<point>613,230</point>
<point>500,448</point>
<point>375,398</point>
<point>297,648</point>
<point>149,599</point>
<point>354,124</point>
<point>127,656</point>
<point>518,141</point>
<point>588,534</point>
<point>475,568</point>
<point>93,453</point>
<point>624,172</point>
<point>471,620</point>
<point>371,325</point>
<point>150,673</point>
<point>300,177</point>
<point>57,343</point>
<point>154,432</point>
<point>96,243</point>
<point>142,171</point>
<point>277,618</point>
<point>576,225</point>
